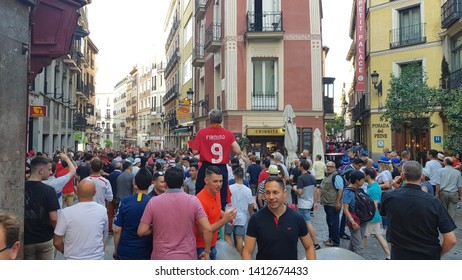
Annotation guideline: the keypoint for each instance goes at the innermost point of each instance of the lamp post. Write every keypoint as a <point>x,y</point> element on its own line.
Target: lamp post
<point>204,103</point>
<point>375,81</point>
<point>162,119</point>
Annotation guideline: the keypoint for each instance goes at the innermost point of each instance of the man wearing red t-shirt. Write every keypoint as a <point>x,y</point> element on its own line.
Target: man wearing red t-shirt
<point>214,145</point>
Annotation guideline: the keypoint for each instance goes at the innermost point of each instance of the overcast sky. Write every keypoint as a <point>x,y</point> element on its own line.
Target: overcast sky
<point>129,33</point>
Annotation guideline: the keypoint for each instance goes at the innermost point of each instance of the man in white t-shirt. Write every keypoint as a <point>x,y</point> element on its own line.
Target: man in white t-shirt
<point>241,199</point>
<point>432,166</point>
<point>59,183</point>
<point>103,186</point>
<point>82,229</point>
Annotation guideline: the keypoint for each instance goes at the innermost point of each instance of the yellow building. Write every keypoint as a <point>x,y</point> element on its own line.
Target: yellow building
<point>397,33</point>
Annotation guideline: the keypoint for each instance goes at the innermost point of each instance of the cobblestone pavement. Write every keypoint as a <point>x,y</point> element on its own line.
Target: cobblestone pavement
<point>373,251</point>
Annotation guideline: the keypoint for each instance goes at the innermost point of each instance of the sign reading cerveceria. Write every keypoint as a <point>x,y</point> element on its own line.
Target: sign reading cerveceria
<point>378,130</point>
<point>265,131</point>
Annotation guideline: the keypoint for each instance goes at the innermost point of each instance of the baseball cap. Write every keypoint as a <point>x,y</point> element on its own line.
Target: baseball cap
<point>137,160</point>
<point>31,153</point>
<point>384,159</point>
<point>345,161</point>
<point>273,170</point>
<point>395,161</point>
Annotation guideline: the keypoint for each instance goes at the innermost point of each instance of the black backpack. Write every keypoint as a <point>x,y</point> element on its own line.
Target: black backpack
<point>364,205</point>
<point>345,182</point>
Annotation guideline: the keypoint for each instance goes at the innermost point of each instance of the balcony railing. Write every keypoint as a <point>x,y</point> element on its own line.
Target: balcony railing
<point>200,9</point>
<point>264,22</point>
<point>213,37</point>
<point>407,35</point>
<point>171,94</point>
<point>455,80</point>
<point>198,55</point>
<point>171,34</point>
<point>451,12</point>
<point>171,63</point>
<point>264,101</point>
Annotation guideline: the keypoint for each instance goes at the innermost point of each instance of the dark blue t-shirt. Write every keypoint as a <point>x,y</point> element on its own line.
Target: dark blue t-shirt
<point>254,170</point>
<point>131,246</point>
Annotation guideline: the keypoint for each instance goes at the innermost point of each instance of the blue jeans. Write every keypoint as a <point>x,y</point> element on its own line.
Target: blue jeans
<point>332,219</point>
<point>213,253</point>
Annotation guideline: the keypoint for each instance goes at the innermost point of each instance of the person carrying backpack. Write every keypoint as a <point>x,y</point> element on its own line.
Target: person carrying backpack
<point>355,224</point>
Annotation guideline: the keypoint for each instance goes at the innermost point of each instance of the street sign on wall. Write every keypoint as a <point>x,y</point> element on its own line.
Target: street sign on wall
<point>38,111</point>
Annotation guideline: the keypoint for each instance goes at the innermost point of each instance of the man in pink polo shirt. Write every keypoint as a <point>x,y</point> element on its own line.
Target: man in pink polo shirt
<point>171,218</point>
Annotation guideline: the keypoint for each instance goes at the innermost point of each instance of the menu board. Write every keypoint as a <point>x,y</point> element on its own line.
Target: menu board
<point>307,139</point>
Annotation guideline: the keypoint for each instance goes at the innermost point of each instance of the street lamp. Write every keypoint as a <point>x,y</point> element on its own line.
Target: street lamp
<point>162,137</point>
<point>376,83</point>
<point>204,103</point>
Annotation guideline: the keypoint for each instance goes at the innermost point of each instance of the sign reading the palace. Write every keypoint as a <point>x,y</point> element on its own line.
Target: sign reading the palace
<point>38,111</point>
<point>360,58</point>
<point>265,131</point>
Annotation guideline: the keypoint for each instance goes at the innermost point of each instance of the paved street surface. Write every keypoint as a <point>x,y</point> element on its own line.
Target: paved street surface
<point>373,251</point>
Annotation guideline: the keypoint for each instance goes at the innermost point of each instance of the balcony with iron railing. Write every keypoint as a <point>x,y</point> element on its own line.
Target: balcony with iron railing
<point>198,55</point>
<point>264,101</point>
<point>200,9</point>
<point>407,35</point>
<point>172,62</point>
<point>213,37</point>
<point>451,12</point>
<point>171,34</point>
<point>265,25</point>
<point>171,94</point>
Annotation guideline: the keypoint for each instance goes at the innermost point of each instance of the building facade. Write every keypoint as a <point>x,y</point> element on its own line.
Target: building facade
<point>120,112</point>
<point>414,30</point>
<point>104,130</point>
<point>251,59</point>
<point>178,73</point>
<point>157,112</point>
<point>66,88</point>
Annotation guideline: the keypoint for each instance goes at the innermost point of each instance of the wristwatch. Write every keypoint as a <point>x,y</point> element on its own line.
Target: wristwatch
<point>351,220</point>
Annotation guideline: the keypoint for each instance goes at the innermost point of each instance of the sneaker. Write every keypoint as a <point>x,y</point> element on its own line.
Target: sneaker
<point>345,236</point>
<point>317,246</point>
<point>327,241</point>
<point>331,244</point>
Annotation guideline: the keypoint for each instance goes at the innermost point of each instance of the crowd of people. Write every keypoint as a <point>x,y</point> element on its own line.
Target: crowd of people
<point>177,204</point>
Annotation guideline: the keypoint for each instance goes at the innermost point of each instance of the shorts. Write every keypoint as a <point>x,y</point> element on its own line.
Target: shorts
<point>238,230</point>
<point>253,189</point>
<point>372,228</point>
<point>306,214</point>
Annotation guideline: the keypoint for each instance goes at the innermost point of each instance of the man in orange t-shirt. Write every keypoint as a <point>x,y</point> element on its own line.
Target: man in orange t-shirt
<point>209,197</point>
<point>214,145</point>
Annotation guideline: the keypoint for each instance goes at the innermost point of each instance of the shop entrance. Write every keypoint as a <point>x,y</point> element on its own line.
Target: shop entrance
<point>265,145</point>
<point>415,139</point>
